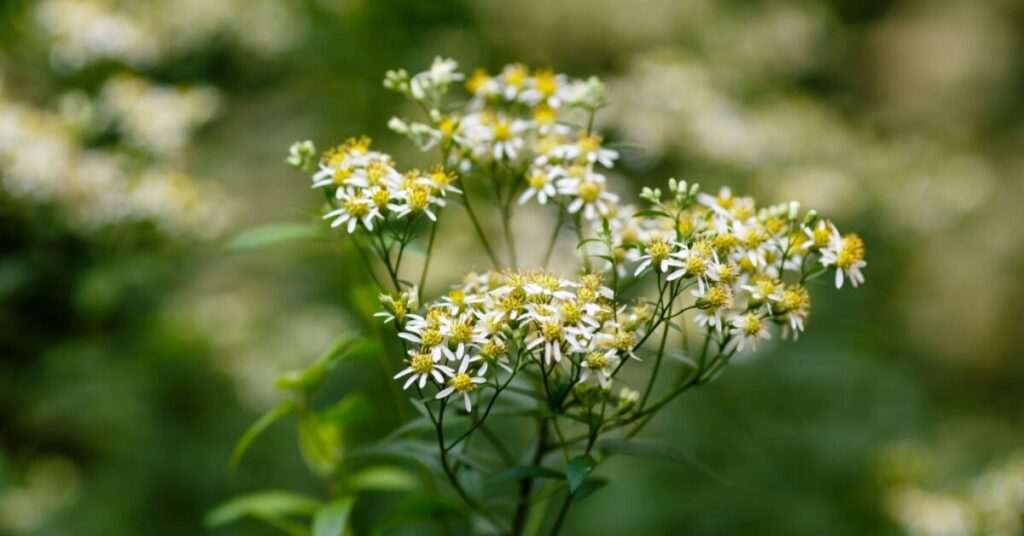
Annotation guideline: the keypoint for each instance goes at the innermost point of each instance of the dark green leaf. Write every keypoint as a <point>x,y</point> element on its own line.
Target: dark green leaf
<point>421,509</point>
<point>264,504</point>
<point>353,408</point>
<point>521,471</point>
<point>256,429</point>
<point>272,235</point>
<point>652,214</point>
<point>332,519</point>
<point>578,470</point>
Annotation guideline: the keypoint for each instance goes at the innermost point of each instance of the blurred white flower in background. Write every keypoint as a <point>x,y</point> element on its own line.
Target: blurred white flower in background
<point>141,33</point>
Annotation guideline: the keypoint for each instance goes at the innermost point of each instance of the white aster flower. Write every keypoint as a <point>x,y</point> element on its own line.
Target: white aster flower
<point>463,382</point>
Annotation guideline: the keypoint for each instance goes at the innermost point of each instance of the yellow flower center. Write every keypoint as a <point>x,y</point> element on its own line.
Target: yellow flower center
<point>852,252</point>
<point>419,197</point>
<point>462,331</point>
<point>717,297</point>
<point>597,360</point>
<point>696,266</point>
<point>624,340</point>
<point>462,382</point>
<point>571,313</point>
<point>381,198</point>
<point>589,191</point>
<point>356,207</point>
<point>795,298</point>
<point>752,326</point>
<point>431,337</point>
<point>502,130</point>
<point>515,75</point>
<point>538,180</point>
<point>375,173</point>
<point>546,82</point>
<point>341,174</point>
<point>658,249</point>
<point>477,81</point>
<point>544,114</point>
<point>551,331</point>
<point>589,144</point>
<point>422,363</point>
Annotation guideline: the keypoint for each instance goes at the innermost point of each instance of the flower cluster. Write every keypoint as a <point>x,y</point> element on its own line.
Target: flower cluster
<point>364,185</point>
<point>44,161</point>
<point>511,320</point>
<point>519,119</point>
<point>746,267</point>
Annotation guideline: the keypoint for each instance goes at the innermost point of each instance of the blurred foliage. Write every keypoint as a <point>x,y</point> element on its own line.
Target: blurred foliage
<point>133,358</point>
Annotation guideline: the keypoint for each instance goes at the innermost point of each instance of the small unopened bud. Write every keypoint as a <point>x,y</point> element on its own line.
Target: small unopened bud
<point>301,154</point>
<point>627,399</point>
<point>811,217</point>
<point>694,189</point>
<point>399,126</point>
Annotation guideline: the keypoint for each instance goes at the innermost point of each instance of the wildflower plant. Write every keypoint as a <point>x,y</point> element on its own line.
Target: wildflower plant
<point>525,381</point>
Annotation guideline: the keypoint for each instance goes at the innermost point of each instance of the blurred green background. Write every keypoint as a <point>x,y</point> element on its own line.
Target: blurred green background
<point>137,137</point>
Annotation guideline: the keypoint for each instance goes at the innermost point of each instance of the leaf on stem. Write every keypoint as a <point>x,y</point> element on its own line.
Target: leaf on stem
<point>578,470</point>
<point>588,487</point>
<point>383,478</point>
<point>257,428</point>
<point>272,235</point>
<point>332,519</point>
<point>269,505</point>
<point>531,471</point>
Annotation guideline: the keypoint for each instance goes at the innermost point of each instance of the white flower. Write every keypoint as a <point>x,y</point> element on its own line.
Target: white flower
<point>541,184</point>
<point>846,253</point>
<point>589,191</point>
<point>355,208</point>
<point>658,253</point>
<point>748,329</point>
<point>463,382</point>
<point>600,365</point>
<point>423,367</point>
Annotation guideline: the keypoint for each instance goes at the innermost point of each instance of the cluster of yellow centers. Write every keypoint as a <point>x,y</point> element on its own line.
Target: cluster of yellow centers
<point>852,251</point>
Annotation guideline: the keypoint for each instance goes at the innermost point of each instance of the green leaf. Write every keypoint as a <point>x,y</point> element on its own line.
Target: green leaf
<point>589,486</point>
<point>263,504</point>
<point>320,442</point>
<point>578,470</point>
<point>271,235</point>
<point>332,519</point>
<point>521,471</point>
<point>383,478</point>
<point>421,509</point>
<point>651,214</point>
<point>353,408</point>
<point>256,429</point>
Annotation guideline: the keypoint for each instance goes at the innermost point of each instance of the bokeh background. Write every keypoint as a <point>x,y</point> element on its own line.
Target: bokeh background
<point>138,136</point>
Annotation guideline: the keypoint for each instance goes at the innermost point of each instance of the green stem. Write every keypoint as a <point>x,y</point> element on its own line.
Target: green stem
<point>554,237</point>
<point>478,228</point>
<point>426,261</point>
